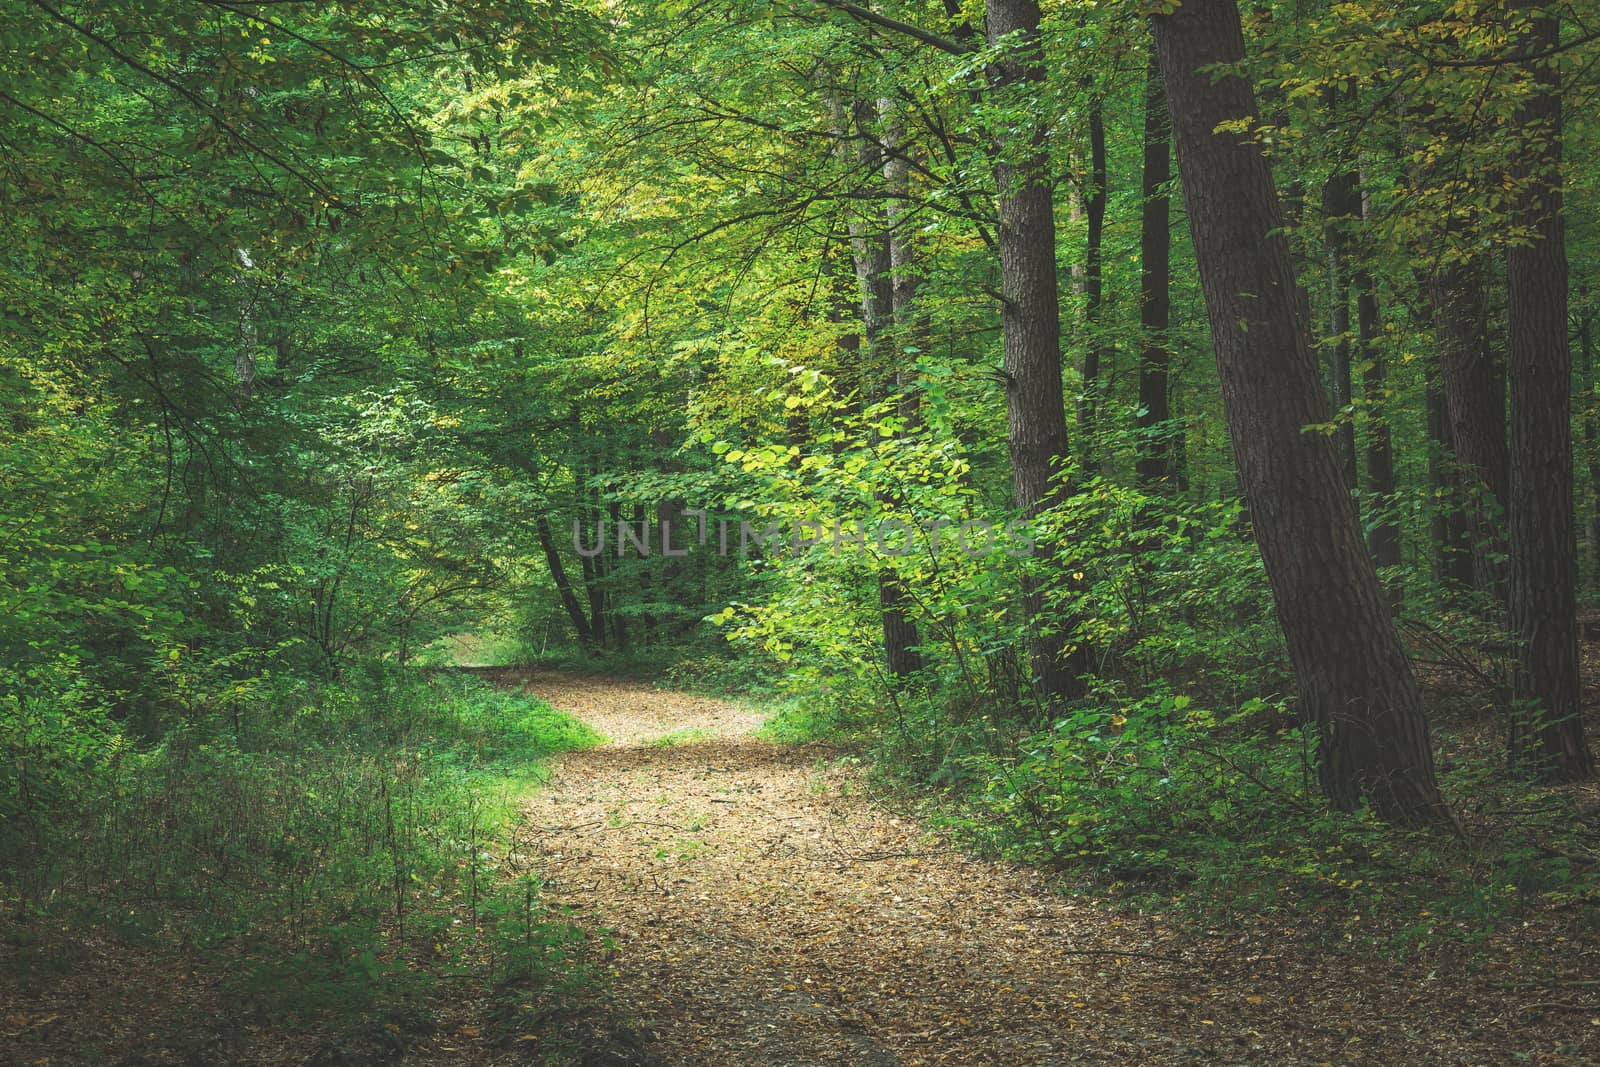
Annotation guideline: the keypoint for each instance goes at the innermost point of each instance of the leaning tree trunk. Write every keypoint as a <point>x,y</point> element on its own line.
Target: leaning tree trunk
<point>1036,421</point>
<point>558,574</point>
<point>1355,682</point>
<point>1154,465</point>
<point>1547,720</point>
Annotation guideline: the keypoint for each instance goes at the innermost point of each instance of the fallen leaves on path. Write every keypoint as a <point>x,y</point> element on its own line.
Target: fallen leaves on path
<point>764,911</point>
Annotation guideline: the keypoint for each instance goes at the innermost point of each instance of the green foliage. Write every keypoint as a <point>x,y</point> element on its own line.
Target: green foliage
<point>1168,592</point>
<point>527,943</point>
<point>318,850</point>
<point>1217,817</point>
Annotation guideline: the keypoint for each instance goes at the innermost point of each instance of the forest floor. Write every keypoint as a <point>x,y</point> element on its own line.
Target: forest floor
<point>765,908</point>
<point>762,905</point>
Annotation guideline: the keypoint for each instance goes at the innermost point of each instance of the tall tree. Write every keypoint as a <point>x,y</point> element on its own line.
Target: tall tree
<point>900,636</point>
<point>1547,722</point>
<point>1473,382</point>
<point>1094,280</point>
<point>1036,424</point>
<point>885,300</point>
<point>1384,538</point>
<point>1354,680</point>
<point>1449,535</point>
<point>1340,205</point>
<point>1591,443</point>
<point>1154,465</point>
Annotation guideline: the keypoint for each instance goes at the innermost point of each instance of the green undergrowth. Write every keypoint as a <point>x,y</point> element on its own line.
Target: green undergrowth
<point>1216,817</point>
<point>336,856</point>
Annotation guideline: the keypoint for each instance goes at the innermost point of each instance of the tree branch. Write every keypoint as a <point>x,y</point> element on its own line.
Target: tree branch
<point>855,11</point>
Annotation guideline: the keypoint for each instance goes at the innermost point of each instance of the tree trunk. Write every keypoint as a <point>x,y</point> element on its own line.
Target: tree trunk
<point>558,574</point>
<point>1154,465</point>
<point>886,287</point>
<point>1384,539</point>
<point>1340,205</point>
<point>900,638</point>
<point>1030,313</point>
<point>1547,720</point>
<point>594,570</point>
<point>1094,283</point>
<point>869,247</point>
<point>1355,682</point>
<point>1591,446</point>
<point>614,620</point>
<point>1451,539</point>
<point>1475,400</point>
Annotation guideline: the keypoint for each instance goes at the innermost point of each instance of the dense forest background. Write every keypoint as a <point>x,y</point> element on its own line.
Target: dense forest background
<point>343,343</point>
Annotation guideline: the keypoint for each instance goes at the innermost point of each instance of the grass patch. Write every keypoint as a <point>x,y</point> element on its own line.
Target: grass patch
<point>339,860</point>
<point>679,737</point>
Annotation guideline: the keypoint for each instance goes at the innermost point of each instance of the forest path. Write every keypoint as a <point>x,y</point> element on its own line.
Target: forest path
<point>765,911</point>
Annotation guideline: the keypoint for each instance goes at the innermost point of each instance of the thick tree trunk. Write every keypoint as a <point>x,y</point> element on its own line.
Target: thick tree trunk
<point>1547,722</point>
<point>1154,465</point>
<point>1030,314</point>
<point>1475,400</point>
<point>1354,680</point>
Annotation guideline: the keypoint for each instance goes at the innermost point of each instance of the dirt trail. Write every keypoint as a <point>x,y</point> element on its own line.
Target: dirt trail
<point>764,911</point>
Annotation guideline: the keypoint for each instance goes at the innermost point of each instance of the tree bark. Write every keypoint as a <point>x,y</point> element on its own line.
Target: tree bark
<point>1384,539</point>
<point>881,254</point>
<point>1030,313</point>
<point>1355,682</point>
<point>1547,720</point>
<point>1475,400</point>
<point>900,637</point>
<point>1340,205</point>
<point>1154,465</point>
<point>1591,446</point>
<point>1450,537</point>
<point>1094,283</point>
<point>558,574</point>
<point>869,246</point>
<point>615,623</point>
